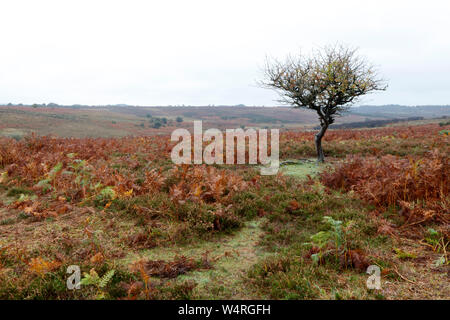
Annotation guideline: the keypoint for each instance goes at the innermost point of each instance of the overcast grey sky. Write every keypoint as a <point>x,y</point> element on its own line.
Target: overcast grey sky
<point>210,52</point>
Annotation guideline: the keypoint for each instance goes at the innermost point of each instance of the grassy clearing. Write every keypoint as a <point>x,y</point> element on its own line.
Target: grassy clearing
<point>230,255</point>
<point>301,169</point>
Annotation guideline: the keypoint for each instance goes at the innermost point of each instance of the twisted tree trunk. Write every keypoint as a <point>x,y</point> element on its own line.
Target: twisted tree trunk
<point>318,142</point>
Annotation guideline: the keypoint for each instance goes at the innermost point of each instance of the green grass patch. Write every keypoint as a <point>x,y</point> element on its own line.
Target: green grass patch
<point>301,169</point>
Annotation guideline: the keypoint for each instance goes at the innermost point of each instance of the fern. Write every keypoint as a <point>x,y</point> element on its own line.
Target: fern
<point>338,233</point>
<point>45,185</point>
<point>55,170</point>
<point>92,278</point>
<point>106,279</point>
<point>321,238</point>
<point>108,193</point>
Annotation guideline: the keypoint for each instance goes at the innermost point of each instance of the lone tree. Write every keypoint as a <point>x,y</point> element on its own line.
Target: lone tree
<point>328,82</point>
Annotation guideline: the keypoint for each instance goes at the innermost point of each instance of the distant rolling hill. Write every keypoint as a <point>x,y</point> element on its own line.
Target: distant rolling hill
<point>123,120</point>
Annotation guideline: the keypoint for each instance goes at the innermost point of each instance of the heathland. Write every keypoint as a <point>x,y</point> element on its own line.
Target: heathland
<point>97,189</point>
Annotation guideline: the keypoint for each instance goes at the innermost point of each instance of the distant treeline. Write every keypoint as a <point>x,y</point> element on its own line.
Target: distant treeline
<point>399,111</point>
<point>370,123</point>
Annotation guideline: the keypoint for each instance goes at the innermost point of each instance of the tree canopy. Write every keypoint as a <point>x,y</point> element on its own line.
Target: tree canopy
<point>328,82</point>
